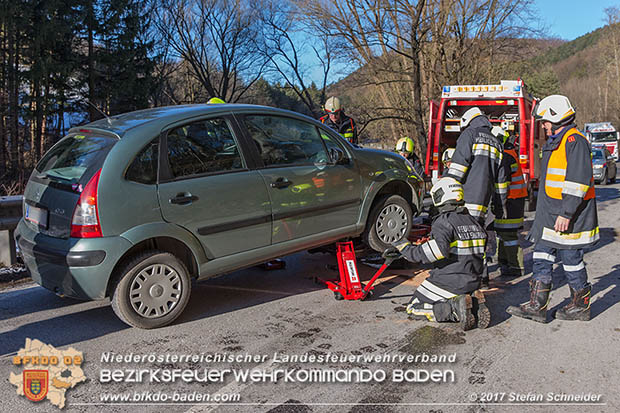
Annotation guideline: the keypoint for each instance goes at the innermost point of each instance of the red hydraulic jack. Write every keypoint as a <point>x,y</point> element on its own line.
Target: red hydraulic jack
<point>350,287</point>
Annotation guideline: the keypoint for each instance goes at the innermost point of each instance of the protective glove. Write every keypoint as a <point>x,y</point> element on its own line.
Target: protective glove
<point>391,252</point>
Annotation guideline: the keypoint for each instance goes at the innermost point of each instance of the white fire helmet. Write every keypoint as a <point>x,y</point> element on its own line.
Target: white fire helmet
<point>555,109</point>
<point>332,105</point>
<point>445,190</point>
<point>469,115</point>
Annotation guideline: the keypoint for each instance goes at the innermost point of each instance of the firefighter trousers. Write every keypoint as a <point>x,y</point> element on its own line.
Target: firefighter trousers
<point>432,302</point>
<point>509,252</point>
<point>572,262</point>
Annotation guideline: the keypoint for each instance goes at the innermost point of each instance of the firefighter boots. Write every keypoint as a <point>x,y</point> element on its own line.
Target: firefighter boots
<point>480,309</point>
<point>579,306</point>
<point>536,308</point>
<point>456,309</point>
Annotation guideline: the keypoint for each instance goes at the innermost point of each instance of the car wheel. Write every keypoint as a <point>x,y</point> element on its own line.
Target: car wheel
<point>152,290</point>
<point>390,220</point>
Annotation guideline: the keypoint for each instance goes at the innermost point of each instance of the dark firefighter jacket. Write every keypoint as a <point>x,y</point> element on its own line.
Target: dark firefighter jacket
<point>456,247</point>
<point>346,127</point>
<point>567,190</point>
<point>477,164</point>
<point>517,192</point>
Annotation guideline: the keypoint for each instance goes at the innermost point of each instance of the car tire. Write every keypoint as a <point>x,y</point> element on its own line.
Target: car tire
<point>152,290</point>
<point>389,221</point>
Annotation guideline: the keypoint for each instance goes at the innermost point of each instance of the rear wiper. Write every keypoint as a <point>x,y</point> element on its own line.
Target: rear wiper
<point>54,177</point>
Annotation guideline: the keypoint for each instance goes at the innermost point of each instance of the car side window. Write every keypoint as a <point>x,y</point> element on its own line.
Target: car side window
<point>143,168</point>
<point>285,141</point>
<point>331,143</point>
<point>206,146</point>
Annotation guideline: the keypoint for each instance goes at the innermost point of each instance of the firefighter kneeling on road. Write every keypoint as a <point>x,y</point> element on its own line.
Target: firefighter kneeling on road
<point>566,221</point>
<point>509,252</point>
<point>456,246</point>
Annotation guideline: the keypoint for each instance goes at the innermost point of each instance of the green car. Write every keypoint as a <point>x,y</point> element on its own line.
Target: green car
<point>135,206</point>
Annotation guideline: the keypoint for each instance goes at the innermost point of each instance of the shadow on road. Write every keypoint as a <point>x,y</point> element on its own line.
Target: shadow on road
<point>610,283</point>
<point>604,194</point>
<point>31,300</point>
<point>515,293</point>
<point>63,330</point>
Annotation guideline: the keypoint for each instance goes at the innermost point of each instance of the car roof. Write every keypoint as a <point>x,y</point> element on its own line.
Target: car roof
<point>165,115</point>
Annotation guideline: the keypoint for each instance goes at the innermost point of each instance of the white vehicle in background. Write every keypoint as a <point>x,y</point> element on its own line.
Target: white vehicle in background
<point>603,135</point>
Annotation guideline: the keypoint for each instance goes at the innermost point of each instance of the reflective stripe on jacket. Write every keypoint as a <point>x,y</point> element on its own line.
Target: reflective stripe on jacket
<point>566,171</point>
<point>456,248</point>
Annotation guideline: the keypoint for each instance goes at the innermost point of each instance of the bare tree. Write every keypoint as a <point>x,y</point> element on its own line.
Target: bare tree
<point>286,43</point>
<point>216,39</point>
<point>407,49</point>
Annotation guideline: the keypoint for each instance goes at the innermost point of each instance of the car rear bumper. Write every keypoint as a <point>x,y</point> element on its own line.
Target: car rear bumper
<point>78,268</point>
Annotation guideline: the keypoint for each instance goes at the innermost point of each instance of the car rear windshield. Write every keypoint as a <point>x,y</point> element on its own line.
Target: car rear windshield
<point>75,158</point>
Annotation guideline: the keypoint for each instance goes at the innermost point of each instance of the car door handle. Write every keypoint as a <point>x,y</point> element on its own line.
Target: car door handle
<point>281,182</point>
<point>183,198</point>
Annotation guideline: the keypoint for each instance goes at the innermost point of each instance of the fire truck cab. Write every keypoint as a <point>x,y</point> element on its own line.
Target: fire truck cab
<point>603,135</point>
<point>508,105</point>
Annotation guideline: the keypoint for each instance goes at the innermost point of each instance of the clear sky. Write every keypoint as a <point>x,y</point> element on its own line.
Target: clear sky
<point>570,19</point>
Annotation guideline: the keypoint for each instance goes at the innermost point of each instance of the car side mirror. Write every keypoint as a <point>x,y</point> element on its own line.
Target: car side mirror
<point>337,156</point>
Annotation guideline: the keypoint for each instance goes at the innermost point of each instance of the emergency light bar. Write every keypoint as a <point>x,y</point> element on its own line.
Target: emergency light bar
<point>507,88</point>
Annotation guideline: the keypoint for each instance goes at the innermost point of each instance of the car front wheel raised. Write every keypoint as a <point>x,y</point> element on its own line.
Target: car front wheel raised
<point>152,290</point>
<point>390,220</point>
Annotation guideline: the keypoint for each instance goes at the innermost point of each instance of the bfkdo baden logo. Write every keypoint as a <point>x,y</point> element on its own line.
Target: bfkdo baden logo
<point>47,372</point>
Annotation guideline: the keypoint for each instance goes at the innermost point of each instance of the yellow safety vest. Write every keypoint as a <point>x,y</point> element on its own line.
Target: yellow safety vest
<point>556,173</point>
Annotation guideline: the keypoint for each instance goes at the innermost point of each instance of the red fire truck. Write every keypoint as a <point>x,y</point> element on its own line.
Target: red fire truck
<point>508,105</point>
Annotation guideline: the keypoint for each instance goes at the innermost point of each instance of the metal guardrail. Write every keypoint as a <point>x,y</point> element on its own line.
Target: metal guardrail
<point>11,212</point>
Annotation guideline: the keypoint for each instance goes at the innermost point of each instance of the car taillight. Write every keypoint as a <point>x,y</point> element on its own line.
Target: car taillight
<point>85,222</point>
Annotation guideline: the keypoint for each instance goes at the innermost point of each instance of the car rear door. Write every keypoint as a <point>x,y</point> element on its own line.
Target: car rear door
<point>207,187</point>
<point>310,194</point>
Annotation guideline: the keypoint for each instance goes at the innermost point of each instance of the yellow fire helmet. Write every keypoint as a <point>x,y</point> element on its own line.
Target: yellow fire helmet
<point>404,145</point>
<point>216,100</point>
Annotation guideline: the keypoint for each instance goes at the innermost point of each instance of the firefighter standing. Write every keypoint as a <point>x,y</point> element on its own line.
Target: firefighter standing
<point>456,247</point>
<point>338,121</point>
<point>566,220</point>
<point>509,252</point>
<point>477,164</point>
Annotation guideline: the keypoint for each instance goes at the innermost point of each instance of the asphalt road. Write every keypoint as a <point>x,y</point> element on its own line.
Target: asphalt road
<point>258,312</point>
